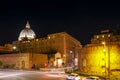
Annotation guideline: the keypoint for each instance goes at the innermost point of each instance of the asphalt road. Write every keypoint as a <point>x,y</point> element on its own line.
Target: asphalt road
<point>29,75</point>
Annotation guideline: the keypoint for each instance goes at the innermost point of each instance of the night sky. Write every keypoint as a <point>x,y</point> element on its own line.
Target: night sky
<point>80,19</point>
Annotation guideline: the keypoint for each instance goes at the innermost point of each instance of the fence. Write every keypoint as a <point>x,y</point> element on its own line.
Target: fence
<point>55,69</point>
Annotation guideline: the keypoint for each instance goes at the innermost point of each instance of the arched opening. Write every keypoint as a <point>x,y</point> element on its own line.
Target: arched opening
<point>23,64</point>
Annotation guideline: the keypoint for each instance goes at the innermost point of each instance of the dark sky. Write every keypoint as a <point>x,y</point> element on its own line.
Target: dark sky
<point>80,19</point>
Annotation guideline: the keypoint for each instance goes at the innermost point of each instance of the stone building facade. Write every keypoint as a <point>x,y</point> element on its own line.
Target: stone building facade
<point>62,43</point>
<point>102,56</point>
<point>7,48</point>
<point>23,61</point>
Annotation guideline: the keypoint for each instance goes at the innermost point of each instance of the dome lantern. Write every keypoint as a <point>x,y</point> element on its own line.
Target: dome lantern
<point>27,25</point>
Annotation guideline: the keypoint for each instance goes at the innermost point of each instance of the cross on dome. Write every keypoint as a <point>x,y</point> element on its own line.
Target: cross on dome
<point>27,25</point>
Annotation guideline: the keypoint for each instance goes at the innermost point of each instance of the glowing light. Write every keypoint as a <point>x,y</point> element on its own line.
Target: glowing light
<point>103,43</point>
<point>102,36</point>
<point>64,55</point>
<point>14,47</point>
<point>97,36</point>
<point>71,51</point>
<point>59,61</point>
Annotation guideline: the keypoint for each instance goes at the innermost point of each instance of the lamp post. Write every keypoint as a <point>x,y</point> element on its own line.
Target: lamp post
<point>104,46</point>
<point>72,58</point>
<point>108,58</point>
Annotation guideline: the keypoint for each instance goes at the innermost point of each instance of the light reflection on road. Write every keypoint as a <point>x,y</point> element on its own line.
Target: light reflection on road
<point>30,75</point>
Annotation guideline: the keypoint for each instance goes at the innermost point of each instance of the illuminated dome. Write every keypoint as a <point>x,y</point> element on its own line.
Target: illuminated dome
<point>27,33</point>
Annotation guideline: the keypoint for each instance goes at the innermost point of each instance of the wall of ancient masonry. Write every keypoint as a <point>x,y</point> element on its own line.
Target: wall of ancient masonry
<point>22,60</point>
<point>94,60</point>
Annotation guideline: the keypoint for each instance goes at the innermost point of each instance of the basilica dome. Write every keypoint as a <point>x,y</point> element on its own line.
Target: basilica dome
<point>27,33</point>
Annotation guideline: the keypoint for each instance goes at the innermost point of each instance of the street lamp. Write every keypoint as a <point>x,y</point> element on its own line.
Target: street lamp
<point>109,58</point>
<point>14,47</point>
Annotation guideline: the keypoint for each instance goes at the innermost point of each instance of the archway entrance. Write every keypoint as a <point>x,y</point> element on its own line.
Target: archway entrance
<point>58,59</point>
<point>23,64</point>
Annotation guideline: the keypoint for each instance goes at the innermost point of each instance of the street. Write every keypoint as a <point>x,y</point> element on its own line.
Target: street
<point>29,75</point>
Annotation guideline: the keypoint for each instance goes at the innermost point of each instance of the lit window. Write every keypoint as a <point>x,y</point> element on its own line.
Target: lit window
<point>103,36</point>
<point>59,61</point>
<point>36,39</point>
<point>109,35</point>
<point>71,51</point>
<point>97,36</point>
<point>64,56</point>
<point>48,37</point>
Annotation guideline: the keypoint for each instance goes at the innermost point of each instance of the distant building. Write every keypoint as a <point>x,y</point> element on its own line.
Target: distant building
<point>102,56</point>
<point>7,48</point>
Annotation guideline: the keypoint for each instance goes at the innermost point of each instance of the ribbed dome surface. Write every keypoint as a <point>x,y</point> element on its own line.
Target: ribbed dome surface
<point>27,33</point>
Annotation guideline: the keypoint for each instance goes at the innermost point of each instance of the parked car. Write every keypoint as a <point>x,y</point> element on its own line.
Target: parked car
<point>70,77</point>
<point>73,77</point>
<point>91,78</point>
